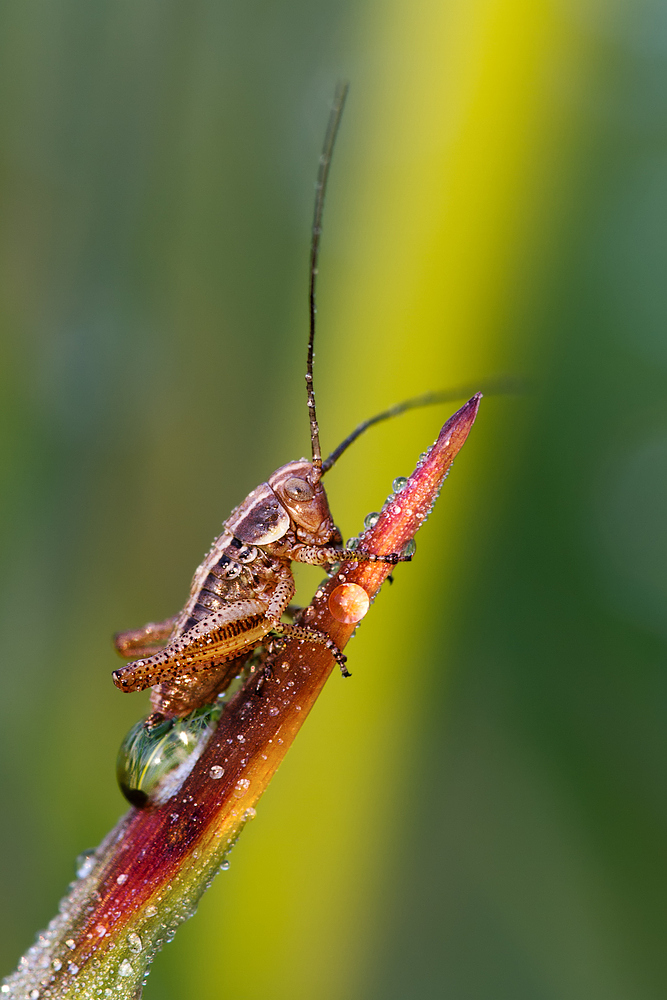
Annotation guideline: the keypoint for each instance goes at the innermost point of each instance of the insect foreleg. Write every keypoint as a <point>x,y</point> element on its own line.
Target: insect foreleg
<point>313,635</point>
<point>279,602</point>
<point>319,556</point>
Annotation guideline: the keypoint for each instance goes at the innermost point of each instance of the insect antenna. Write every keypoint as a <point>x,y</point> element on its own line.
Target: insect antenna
<point>320,191</point>
<point>504,385</point>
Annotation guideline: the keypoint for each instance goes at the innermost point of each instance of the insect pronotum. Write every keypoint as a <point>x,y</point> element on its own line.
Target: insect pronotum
<point>245,584</point>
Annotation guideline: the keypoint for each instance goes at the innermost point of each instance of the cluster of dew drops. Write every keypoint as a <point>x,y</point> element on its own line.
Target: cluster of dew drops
<point>86,861</point>
<point>397,486</point>
<point>371,519</point>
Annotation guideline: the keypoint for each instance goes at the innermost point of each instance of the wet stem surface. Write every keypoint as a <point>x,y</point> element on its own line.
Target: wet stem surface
<point>149,873</point>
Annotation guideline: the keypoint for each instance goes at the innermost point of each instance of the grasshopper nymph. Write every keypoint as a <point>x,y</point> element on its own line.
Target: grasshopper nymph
<point>245,583</point>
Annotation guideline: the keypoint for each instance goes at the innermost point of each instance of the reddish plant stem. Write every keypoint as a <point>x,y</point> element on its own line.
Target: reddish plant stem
<point>153,846</point>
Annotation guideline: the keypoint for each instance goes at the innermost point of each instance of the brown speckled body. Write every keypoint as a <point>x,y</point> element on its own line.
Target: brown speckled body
<point>239,594</point>
<point>211,590</point>
<point>245,583</point>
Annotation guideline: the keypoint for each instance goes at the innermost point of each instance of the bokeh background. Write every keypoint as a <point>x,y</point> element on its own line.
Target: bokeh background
<point>481,812</point>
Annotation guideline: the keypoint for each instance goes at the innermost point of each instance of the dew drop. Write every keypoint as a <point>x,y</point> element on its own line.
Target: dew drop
<point>274,710</point>
<point>409,548</point>
<point>121,879</point>
<point>125,969</point>
<point>216,771</point>
<point>242,786</point>
<point>151,911</point>
<point>348,603</point>
<point>134,943</point>
<point>57,964</point>
<point>34,994</point>
<point>399,484</point>
<point>84,863</point>
<point>371,519</point>
<point>72,968</point>
<point>71,944</point>
<point>352,543</point>
<point>224,866</point>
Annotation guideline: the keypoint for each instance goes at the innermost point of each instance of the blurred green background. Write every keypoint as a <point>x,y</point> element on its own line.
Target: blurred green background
<point>481,812</point>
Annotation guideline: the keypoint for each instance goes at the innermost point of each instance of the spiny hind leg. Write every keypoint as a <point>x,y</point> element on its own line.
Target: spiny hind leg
<point>144,641</point>
<point>183,694</point>
<point>222,636</point>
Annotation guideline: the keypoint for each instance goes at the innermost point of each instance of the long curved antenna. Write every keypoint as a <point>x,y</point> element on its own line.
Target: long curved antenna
<point>320,191</point>
<point>504,385</point>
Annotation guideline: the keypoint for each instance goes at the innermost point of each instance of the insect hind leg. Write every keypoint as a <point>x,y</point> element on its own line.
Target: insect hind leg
<point>144,641</point>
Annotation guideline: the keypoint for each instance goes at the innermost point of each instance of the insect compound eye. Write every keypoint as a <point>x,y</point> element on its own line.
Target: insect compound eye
<point>298,489</point>
<point>148,758</point>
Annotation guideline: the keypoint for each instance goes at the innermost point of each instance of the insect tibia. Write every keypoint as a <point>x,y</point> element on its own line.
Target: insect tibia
<point>312,635</point>
<point>355,555</point>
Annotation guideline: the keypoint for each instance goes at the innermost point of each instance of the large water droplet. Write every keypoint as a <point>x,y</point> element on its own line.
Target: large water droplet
<point>152,763</point>
<point>371,519</point>
<point>399,484</point>
<point>125,969</point>
<point>348,603</point>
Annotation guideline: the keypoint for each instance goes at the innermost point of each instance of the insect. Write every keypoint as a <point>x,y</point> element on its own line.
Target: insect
<point>245,584</point>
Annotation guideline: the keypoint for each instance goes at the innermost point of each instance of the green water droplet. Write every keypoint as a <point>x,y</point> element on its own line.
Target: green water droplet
<point>148,756</point>
<point>409,548</point>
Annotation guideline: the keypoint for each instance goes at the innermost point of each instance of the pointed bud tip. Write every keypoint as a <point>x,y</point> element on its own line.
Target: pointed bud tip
<point>456,429</point>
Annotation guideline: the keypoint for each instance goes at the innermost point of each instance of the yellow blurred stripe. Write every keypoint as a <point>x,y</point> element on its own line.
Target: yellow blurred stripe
<point>455,163</point>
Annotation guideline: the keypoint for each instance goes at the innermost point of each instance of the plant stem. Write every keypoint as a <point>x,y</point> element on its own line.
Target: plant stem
<point>151,870</point>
